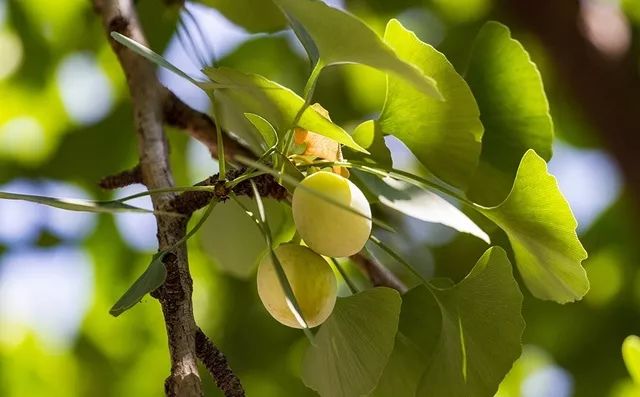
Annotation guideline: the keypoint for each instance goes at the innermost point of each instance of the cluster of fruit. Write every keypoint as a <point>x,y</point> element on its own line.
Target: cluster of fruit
<point>333,218</point>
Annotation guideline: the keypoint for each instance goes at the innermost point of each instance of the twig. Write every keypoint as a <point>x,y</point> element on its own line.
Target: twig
<point>122,179</point>
<point>188,202</point>
<point>217,365</point>
<point>379,275</point>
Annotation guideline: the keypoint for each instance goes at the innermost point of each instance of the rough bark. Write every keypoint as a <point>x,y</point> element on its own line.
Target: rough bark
<point>216,364</point>
<point>175,295</point>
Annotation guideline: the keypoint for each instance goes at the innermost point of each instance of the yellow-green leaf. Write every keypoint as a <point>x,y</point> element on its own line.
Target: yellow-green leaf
<point>513,109</point>
<point>631,355</point>
<point>338,37</point>
<point>444,136</point>
<point>241,93</point>
<point>542,232</point>
<point>458,341</point>
<point>352,347</point>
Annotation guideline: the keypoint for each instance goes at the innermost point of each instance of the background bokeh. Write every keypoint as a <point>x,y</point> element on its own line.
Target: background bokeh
<point>65,122</point>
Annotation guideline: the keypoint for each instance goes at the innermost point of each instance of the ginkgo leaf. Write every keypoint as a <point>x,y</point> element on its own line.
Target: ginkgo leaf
<point>265,129</point>
<point>352,347</point>
<point>79,205</point>
<point>631,355</point>
<point>369,135</point>
<point>542,232</point>
<point>151,279</point>
<point>253,15</point>
<point>251,93</point>
<point>451,335</point>
<point>423,205</point>
<point>334,37</point>
<point>444,136</point>
<point>513,107</point>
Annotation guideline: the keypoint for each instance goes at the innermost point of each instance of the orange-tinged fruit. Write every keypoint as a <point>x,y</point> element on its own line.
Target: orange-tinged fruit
<point>319,146</point>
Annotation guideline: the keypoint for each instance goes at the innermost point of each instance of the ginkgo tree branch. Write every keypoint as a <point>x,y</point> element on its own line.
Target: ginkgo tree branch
<point>149,105</point>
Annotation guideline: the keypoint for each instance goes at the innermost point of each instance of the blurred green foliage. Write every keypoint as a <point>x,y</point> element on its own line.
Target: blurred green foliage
<point>39,139</point>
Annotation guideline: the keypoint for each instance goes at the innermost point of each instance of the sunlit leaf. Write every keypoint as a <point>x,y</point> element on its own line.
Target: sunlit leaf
<point>444,136</point>
<point>265,129</point>
<point>369,135</point>
<point>151,279</point>
<point>75,204</point>
<point>338,37</point>
<point>542,232</point>
<point>250,93</point>
<point>352,347</point>
<point>149,54</point>
<point>631,355</point>
<point>423,205</point>
<point>513,107</point>
<point>253,15</point>
<point>467,336</point>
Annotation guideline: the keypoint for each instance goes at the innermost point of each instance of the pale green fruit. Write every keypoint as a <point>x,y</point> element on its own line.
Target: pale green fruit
<point>311,279</point>
<point>325,227</point>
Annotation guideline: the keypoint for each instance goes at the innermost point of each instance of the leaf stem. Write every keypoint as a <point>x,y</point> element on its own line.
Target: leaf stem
<point>222,163</point>
<point>399,258</point>
<point>343,273</point>
<point>308,91</point>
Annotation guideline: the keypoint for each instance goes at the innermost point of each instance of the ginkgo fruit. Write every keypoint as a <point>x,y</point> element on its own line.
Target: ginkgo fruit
<point>326,227</point>
<point>312,281</point>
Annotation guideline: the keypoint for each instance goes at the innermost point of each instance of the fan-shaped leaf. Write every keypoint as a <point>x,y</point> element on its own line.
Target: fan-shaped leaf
<point>353,345</point>
<point>542,232</point>
<point>336,37</point>
<point>461,341</point>
<point>444,136</point>
<point>250,93</point>
<point>513,107</point>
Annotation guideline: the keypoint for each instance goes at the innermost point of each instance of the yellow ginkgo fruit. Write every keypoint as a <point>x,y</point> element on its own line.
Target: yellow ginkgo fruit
<point>312,281</point>
<point>326,227</point>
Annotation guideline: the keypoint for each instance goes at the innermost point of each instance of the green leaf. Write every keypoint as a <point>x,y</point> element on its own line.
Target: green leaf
<point>369,135</point>
<point>253,15</point>
<point>403,371</point>
<point>423,205</point>
<point>444,136</point>
<point>542,232</point>
<point>339,37</point>
<point>513,108</point>
<point>352,347</point>
<point>150,55</point>
<point>468,336</point>
<point>151,279</point>
<point>75,204</point>
<point>251,93</point>
<point>220,242</point>
<point>265,129</point>
<point>294,176</point>
<point>631,355</point>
